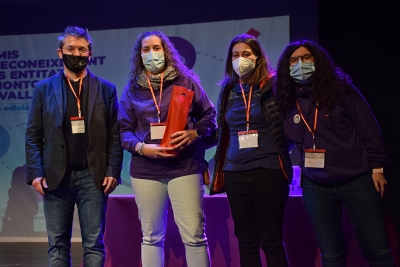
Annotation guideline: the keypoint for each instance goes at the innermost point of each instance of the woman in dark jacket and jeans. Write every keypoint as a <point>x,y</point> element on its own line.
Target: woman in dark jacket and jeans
<point>341,148</point>
<point>252,162</point>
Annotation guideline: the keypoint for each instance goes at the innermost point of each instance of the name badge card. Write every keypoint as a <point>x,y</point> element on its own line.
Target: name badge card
<point>77,125</point>
<point>248,139</point>
<point>314,158</point>
<point>157,130</point>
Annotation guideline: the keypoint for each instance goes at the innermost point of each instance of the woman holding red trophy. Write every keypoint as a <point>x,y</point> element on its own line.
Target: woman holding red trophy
<point>164,118</point>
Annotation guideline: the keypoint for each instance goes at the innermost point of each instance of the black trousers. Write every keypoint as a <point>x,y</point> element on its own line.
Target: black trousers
<point>257,200</point>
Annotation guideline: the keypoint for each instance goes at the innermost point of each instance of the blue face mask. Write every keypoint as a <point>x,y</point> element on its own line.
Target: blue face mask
<point>153,61</point>
<point>302,71</point>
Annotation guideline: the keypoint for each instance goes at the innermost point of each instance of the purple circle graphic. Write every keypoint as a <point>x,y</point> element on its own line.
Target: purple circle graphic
<point>185,49</point>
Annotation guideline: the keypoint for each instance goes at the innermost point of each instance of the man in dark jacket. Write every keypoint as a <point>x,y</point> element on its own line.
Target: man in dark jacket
<point>73,150</point>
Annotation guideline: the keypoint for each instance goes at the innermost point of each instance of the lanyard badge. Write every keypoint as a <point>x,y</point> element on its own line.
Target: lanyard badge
<point>77,123</point>
<point>157,129</point>
<point>313,158</point>
<point>248,138</point>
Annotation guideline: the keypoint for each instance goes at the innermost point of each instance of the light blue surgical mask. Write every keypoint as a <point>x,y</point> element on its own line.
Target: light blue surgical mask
<point>302,72</point>
<point>153,61</point>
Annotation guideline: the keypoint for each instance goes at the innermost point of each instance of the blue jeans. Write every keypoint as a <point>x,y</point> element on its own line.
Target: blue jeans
<point>257,200</point>
<point>186,196</point>
<point>77,187</point>
<point>363,204</point>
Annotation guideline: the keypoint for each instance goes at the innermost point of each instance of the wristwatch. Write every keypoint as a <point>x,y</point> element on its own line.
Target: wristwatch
<point>139,148</point>
<point>376,170</point>
<point>199,133</point>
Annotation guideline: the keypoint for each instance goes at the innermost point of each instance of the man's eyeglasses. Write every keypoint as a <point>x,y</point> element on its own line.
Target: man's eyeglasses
<point>81,50</point>
<point>307,58</point>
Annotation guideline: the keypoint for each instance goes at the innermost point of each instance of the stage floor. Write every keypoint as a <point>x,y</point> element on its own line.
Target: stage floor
<point>33,254</point>
<point>123,238</point>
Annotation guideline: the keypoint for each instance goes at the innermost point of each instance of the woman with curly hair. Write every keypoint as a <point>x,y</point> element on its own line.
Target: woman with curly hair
<point>252,162</point>
<point>341,152</point>
<point>156,173</point>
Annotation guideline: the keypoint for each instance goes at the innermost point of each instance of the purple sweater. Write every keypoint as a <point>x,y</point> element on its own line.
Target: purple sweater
<point>350,135</point>
<point>137,110</point>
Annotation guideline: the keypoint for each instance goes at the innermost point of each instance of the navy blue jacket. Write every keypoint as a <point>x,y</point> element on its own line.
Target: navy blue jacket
<point>44,141</point>
<point>349,133</point>
<point>275,125</point>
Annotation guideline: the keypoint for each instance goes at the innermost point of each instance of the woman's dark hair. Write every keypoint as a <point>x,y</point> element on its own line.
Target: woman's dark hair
<point>263,68</point>
<point>171,56</point>
<point>329,84</point>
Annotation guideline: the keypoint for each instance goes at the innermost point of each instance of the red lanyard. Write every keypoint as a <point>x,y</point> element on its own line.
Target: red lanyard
<point>308,127</point>
<point>78,100</point>
<point>247,105</point>
<point>158,106</point>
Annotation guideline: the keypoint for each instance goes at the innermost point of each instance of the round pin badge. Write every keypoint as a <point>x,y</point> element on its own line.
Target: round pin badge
<point>296,118</point>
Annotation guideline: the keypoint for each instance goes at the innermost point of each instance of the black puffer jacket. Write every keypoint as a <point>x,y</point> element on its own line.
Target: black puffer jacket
<point>275,125</point>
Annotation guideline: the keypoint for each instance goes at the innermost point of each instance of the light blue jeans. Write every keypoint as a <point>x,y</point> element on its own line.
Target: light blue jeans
<point>186,196</point>
<point>77,187</point>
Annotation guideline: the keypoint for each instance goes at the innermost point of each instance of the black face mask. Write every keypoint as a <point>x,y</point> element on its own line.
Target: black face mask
<point>75,64</point>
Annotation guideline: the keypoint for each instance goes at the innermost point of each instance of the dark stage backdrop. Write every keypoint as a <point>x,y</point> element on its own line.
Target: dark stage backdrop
<point>364,39</point>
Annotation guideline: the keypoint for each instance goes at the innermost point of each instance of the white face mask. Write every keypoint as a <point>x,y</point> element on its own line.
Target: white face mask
<point>153,61</point>
<point>243,66</point>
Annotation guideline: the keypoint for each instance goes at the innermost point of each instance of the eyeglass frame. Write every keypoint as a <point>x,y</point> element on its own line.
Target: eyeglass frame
<point>291,59</point>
